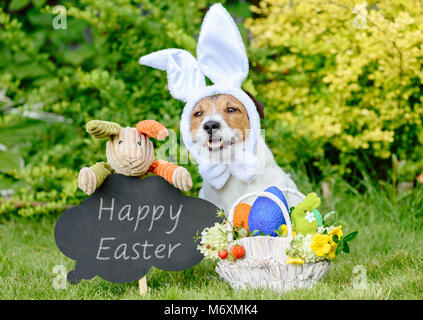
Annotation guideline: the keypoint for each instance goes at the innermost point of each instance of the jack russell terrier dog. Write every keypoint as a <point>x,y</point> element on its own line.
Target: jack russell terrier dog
<point>219,126</point>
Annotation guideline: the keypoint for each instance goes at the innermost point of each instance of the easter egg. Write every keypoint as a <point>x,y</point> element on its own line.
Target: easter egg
<point>241,214</point>
<point>265,215</point>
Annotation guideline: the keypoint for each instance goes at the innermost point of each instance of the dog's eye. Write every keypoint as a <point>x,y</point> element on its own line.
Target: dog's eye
<point>139,143</point>
<point>120,141</point>
<point>198,114</point>
<point>230,109</point>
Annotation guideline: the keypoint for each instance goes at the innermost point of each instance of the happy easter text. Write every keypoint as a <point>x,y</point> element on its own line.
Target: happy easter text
<point>109,248</point>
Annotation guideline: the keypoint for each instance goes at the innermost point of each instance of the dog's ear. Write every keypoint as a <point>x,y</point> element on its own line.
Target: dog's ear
<point>259,105</point>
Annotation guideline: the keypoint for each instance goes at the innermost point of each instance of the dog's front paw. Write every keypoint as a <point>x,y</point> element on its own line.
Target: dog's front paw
<point>181,179</point>
<point>87,181</point>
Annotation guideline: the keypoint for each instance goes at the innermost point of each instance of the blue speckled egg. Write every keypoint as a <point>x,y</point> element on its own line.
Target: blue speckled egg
<point>265,215</point>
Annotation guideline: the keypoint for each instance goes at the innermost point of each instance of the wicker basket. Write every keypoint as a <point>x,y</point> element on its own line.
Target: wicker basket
<point>264,265</point>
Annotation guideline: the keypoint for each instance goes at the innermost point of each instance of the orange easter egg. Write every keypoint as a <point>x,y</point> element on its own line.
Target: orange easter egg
<point>241,215</point>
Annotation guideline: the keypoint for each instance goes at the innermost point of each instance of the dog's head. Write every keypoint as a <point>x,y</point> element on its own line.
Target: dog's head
<point>220,123</point>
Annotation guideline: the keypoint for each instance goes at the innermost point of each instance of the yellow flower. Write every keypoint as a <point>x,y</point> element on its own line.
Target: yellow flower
<point>320,244</point>
<point>295,260</point>
<point>333,247</point>
<point>336,231</point>
<point>285,231</point>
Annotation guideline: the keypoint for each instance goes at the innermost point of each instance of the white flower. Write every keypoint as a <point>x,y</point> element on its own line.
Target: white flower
<point>300,247</point>
<point>213,240</point>
<point>310,217</point>
<point>323,229</point>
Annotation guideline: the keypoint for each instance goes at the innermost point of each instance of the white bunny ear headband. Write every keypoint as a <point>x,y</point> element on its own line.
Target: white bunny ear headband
<point>221,56</point>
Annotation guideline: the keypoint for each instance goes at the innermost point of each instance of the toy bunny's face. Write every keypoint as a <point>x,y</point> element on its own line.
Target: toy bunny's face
<point>129,152</point>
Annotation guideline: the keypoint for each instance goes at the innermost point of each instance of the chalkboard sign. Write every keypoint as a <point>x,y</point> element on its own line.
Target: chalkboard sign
<point>129,225</point>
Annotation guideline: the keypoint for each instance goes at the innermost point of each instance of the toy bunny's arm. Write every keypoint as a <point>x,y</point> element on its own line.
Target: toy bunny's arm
<point>174,174</point>
<point>91,178</point>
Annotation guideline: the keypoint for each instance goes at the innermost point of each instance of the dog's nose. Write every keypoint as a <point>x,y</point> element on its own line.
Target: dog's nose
<point>211,125</point>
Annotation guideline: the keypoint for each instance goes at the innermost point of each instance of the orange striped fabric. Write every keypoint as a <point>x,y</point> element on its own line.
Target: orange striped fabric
<point>152,128</point>
<point>164,169</point>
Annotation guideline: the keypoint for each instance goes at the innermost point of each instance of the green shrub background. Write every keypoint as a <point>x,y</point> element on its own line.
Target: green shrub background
<point>54,81</point>
<point>344,79</point>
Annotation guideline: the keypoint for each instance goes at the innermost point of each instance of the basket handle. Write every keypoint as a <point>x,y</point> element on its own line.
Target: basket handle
<point>272,197</point>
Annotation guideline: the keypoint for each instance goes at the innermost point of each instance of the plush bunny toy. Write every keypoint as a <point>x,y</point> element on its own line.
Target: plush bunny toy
<point>131,153</point>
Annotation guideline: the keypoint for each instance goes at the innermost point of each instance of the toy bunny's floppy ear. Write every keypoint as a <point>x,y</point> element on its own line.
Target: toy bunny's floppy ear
<point>220,50</point>
<point>102,129</point>
<point>183,72</point>
<point>151,128</point>
<point>312,200</point>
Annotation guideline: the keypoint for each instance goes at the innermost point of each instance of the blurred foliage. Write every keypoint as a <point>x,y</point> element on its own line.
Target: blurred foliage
<point>343,81</point>
<point>53,81</point>
<point>336,96</point>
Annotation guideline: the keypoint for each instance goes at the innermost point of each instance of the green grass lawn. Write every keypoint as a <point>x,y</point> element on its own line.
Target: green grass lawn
<point>389,247</point>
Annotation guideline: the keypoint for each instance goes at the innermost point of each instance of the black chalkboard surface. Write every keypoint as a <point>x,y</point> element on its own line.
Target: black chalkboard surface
<point>129,225</point>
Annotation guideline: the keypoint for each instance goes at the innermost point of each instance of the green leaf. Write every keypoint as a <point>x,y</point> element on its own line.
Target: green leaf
<point>279,232</point>
<point>17,132</point>
<point>30,71</point>
<point>350,236</point>
<point>38,18</point>
<point>77,56</point>
<point>10,161</point>
<point>11,184</point>
<point>335,238</point>
<point>240,8</point>
<point>341,222</point>
<point>345,247</point>
<point>329,214</point>
<point>329,218</point>
<point>18,4</point>
<point>339,248</point>
<point>221,213</point>
<point>38,3</point>
<point>230,257</point>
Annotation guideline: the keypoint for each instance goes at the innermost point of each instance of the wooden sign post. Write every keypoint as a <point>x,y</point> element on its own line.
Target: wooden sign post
<point>142,284</point>
<point>129,225</point>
